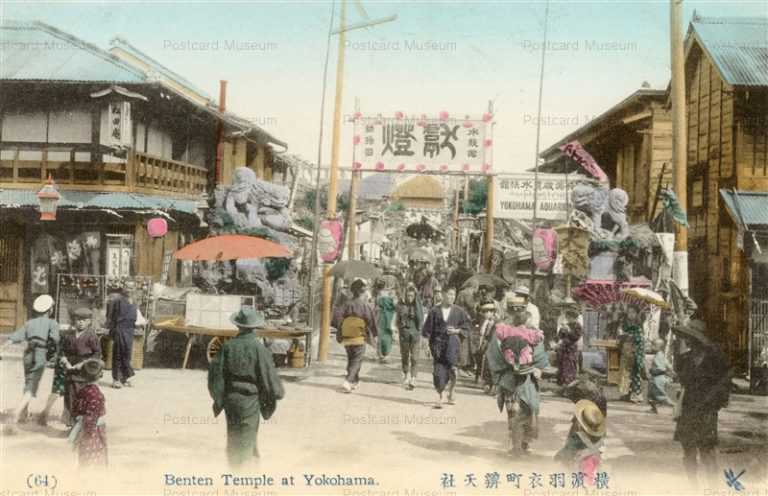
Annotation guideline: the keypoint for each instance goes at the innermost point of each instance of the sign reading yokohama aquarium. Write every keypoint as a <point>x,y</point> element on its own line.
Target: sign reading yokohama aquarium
<point>513,196</point>
<point>422,144</point>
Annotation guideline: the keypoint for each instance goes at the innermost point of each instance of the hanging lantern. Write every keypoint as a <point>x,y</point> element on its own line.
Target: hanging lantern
<point>48,198</point>
<point>157,227</point>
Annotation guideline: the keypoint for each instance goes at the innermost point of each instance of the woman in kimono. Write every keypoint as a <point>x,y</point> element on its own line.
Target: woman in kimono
<point>568,350</point>
<point>660,375</point>
<point>632,357</point>
<point>355,324</point>
<point>42,336</point>
<point>444,324</point>
<point>385,316</point>
<point>89,435</point>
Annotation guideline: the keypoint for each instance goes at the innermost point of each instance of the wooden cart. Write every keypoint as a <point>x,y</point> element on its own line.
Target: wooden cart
<point>176,324</point>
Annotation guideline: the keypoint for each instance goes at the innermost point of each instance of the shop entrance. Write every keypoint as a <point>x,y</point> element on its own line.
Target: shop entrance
<point>11,263</point>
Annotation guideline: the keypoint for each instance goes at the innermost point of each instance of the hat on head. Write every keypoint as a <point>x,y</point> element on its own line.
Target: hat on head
<point>248,318</point>
<point>91,370</point>
<point>42,303</point>
<point>590,418</point>
<point>512,300</point>
<point>487,305</point>
<point>358,284</point>
<point>82,313</point>
<point>523,290</point>
<point>694,329</point>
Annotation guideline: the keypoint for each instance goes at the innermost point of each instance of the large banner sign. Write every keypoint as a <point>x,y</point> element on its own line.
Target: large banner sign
<point>513,196</point>
<point>421,144</point>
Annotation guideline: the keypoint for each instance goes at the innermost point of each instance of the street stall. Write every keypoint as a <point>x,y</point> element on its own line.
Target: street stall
<point>207,315</point>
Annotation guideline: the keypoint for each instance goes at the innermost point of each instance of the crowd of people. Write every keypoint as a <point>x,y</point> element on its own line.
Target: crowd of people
<point>467,326</point>
<point>464,324</point>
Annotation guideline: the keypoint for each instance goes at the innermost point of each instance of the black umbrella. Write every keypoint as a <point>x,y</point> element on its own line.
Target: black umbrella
<point>350,269</point>
<point>485,280</point>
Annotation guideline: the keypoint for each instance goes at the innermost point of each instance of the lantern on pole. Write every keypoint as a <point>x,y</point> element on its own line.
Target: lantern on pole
<point>48,198</point>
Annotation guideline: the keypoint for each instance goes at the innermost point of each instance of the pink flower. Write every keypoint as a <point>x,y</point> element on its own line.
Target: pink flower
<point>468,124</point>
<point>357,165</point>
<point>379,166</point>
<point>357,115</point>
<point>488,143</point>
<point>486,167</point>
<point>487,117</point>
<point>421,167</point>
<point>443,115</point>
<point>399,115</point>
<point>356,140</point>
<point>443,168</point>
<point>401,167</point>
<point>465,167</point>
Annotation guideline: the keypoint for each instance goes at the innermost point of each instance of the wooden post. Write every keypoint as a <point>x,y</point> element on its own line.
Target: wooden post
<point>679,142</point>
<point>325,317</point>
<point>455,247</point>
<point>488,255</point>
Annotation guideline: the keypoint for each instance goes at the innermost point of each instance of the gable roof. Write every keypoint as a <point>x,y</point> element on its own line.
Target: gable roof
<point>606,116</point>
<point>738,47</point>
<point>35,51</point>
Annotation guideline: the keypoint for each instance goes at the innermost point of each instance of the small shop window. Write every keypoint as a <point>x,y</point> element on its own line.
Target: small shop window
<point>119,255</point>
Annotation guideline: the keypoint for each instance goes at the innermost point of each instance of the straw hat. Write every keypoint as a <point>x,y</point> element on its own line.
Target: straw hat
<point>590,418</point>
<point>694,329</point>
<point>522,290</point>
<point>42,303</point>
<point>248,318</point>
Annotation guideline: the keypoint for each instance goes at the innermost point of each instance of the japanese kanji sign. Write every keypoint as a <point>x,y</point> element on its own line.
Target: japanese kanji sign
<point>421,144</point>
<point>513,196</point>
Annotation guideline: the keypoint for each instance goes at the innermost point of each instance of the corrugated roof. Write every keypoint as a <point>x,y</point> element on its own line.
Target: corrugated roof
<point>35,51</point>
<point>750,206</point>
<point>14,198</point>
<point>738,46</point>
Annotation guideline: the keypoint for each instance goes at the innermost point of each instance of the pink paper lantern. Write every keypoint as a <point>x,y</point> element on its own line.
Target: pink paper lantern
<point>157,227</point>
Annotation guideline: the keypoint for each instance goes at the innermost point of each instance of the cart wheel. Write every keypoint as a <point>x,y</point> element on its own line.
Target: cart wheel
<point>214,347</point>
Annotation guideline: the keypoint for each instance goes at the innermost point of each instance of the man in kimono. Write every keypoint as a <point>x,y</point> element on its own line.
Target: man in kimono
<point>446,324</point>
<point>243,381</point>
<point>516,356</point>
<point>42,336</point>
<point>121,321</point>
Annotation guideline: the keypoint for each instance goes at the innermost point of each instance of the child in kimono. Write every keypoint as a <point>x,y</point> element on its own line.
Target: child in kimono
<point>583,447</point>
<point>659,374</point>
<point>89,435</point>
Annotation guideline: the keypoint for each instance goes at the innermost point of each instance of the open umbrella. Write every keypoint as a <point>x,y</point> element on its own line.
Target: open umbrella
<point>421,255</point>
<point>350,269</point>
<point>485,280</point>
<point>231,247</point>
<point>646,295</point>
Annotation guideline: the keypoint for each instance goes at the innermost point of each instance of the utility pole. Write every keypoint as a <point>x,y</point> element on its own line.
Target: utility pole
<point>489,211</point>
<point>352,214</point>
<point>536,159</point>
<point>679,142</point>
<point>325,315</point>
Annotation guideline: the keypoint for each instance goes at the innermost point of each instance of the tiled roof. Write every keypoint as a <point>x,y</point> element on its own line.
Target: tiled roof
<point>738,46</point>
<point>34,51</point>
<point>749,206</point>
<point>16,198</point>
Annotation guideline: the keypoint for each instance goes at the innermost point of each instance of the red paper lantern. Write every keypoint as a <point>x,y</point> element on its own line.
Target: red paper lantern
<point>157,227</point>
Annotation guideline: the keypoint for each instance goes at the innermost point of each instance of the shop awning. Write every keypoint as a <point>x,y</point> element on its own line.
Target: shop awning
<point>18,198</point>
<point>747,208</point>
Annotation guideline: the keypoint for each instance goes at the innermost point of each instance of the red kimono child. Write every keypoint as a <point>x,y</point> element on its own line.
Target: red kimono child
<point>89,435</point>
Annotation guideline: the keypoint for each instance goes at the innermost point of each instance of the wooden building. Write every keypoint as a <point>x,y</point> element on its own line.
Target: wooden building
<point>726,66</point>
<point>122,148</point>
<point>632,142</point>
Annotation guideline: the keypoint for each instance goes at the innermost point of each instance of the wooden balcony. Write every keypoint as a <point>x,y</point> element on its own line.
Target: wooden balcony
<point>71,168</point>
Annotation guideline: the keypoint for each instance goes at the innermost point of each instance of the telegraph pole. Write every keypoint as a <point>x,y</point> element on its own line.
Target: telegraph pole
<point>325,316</point>
<point>679,142</point>
<point>536,159</point>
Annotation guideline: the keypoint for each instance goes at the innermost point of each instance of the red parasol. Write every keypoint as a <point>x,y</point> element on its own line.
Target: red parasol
<point>231,247</point>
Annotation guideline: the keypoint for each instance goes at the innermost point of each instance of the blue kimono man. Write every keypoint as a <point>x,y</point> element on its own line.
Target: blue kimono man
<point>445,326</point>
<point>121,321</point>
<point>659,373</point>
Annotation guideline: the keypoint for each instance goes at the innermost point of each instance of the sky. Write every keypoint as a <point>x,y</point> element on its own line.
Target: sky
<point>437,56</point>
